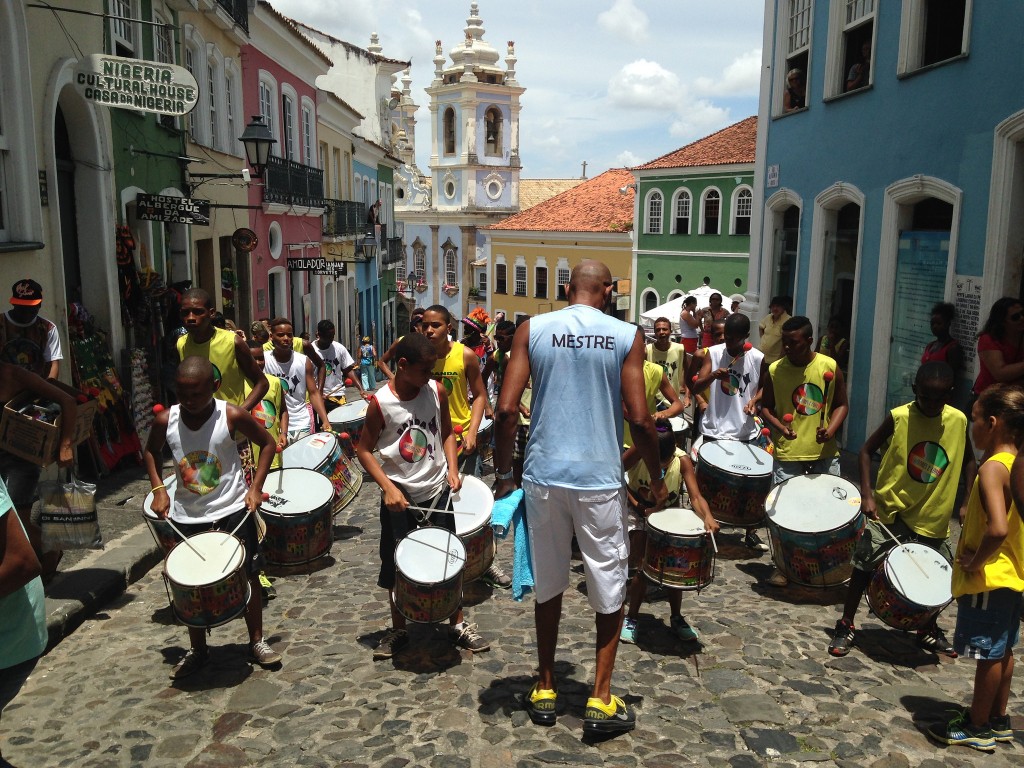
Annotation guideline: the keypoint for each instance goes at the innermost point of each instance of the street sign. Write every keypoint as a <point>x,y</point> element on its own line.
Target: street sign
<point>148,86</point>
<point>317,265</point>
<point>178,210</point>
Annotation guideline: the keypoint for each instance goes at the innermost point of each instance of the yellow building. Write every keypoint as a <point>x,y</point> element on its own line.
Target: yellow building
<point>533,252</point>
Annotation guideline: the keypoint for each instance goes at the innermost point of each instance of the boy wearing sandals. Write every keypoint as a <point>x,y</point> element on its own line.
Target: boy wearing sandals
<point>915,492</point>
<point>212,494</point>
<point>408,423</point>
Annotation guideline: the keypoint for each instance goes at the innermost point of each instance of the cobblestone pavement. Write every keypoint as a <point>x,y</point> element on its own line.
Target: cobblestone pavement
<point>758,688</point>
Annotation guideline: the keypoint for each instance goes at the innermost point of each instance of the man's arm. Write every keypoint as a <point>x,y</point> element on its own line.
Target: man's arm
<point>641,423</point>
<point>669,393</point>
<point>506,416</point>
<point>251,371</point>
<point>18,561</point>
<point>471,364</point>
<point>872,444</point>
<point>152,456</point>
<point>840,409</point>
<point>17,379</point>
<point>315,398</point>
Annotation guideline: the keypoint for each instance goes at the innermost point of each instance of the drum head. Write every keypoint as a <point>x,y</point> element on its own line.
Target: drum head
<point>485,424</point>
<point>903,567</point>
<point>311,451</point>
<point>296,491</point>
<point>170,484</point>
<point>474,497</point>
<point>223,553</point>
<point>695,448</point>
<point>348,413</point>
<point>813,503</point>
<point>683,522</point>
<point>430,555</point>
<point>736,458</point>
<point>679,424</point>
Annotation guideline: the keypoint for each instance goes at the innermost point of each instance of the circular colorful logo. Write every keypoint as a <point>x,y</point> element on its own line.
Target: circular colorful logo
<point>23,352</point>
<point>808,399</point>
<point>730,386</point>
<point>413,445</point>
<point>927,461</point>
<point>200,472</point>
<point>265,413</point>
<point>216,378</point>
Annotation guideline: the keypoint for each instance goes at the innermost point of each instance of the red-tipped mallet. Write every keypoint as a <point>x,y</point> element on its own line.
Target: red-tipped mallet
<point>787,419</point>
<point>266,496</point>
<point>828,376</point>
<point>348,383</point>
<point>765,431</point>
<point>157,408</point>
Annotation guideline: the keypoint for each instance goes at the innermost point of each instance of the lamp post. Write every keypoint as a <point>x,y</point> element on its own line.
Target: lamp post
<point>257,140</point>
<point>367,247</point>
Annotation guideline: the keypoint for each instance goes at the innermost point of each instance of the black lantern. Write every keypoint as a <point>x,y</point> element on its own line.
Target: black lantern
<point>257,140</point>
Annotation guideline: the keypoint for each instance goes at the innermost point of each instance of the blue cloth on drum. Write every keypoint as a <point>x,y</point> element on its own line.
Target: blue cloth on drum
<point>510,512</point>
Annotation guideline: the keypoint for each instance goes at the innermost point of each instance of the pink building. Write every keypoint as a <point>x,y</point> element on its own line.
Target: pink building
<point>279,71</point>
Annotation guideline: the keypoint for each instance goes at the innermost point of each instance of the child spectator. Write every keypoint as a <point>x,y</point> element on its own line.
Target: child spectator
<point>915,492</point>
<point>988,574</point>
<point>412,410</point>
<point>199,432</point>
<point>678,473</point>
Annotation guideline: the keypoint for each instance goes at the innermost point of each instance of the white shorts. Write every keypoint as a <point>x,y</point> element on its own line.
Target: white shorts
<point>599,520</point>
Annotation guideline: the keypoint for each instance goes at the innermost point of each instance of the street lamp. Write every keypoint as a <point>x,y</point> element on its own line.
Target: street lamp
<point>257,140</point>
<point>367,247</point>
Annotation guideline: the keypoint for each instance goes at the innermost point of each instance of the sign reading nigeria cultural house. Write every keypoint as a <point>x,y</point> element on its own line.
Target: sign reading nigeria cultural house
<point>149,86</point>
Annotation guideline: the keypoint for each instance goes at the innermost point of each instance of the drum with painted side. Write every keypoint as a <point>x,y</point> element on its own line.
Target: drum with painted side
<point>911,586</point>
<point>322,453</point>
<point>734,477</point>
<point>298,516</point>
<point>813,523</point>
<point>349,418</point>
<point>206,580</point>
<point>475,501</point>
<point>429,565</point>
<point>484,438</point>
<point>163,534</point>
<point>679,553</point>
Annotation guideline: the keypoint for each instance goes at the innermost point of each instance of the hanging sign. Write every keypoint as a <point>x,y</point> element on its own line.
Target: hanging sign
<point>178,210</point>
<point>317,265</point>
<point>149,86</point>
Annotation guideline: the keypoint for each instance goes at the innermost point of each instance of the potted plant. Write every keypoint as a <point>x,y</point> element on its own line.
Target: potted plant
<point>450,290</point>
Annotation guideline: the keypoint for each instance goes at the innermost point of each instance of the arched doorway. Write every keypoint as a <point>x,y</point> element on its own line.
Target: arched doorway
<point>68,209</point>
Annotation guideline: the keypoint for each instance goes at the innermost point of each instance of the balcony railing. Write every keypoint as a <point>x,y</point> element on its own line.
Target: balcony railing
<point>394,253</point>
<point>344,217</point>
<point>291,183</point>
<point>237,10</point>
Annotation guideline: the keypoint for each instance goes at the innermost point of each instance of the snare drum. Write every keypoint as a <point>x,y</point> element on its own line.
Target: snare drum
<point>484,436</point>
<point>910,587</point>
<point>322,453</point>
<point>429,565</point>
<point>349,418</point>
<point>474,528</point>
<point>679,554</point>
<point>681,431</point>
<point>734,478</point>
<point>298,516</point>
<point>163,534</point>
<point>813,524</point>
<point>205,579</point>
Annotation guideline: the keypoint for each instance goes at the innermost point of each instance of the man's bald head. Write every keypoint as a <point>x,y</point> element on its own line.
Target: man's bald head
<point>590,283</point>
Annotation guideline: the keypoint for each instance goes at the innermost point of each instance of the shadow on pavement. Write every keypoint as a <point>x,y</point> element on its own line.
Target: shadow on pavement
<point>228,667</point>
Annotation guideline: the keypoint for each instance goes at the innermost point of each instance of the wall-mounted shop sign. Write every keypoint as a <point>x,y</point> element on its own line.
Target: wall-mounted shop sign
<point>318,266</point>
<point>179,210</point>
<point>149,86</point>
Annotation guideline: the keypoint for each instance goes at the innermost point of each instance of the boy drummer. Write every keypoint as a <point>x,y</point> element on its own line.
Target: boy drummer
<point>926,441</point>
<point>408,422</point>
<point>211,493</point>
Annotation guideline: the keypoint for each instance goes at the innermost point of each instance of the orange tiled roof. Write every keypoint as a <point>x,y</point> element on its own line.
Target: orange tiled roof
<point>596,205</point>
<point>734,144</point>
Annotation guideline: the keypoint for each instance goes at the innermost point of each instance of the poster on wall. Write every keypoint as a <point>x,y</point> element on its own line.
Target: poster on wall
<point>967,298</point>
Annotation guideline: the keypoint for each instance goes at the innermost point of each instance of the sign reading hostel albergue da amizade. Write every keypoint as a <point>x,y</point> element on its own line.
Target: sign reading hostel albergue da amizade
<point>148,86</point>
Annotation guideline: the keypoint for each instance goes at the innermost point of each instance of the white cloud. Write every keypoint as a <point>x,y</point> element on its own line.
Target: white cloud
<point>697,120</point>
<point>625,20</point>
<point>645,84</point>
<point>628,159</point>
<point>741,77</point>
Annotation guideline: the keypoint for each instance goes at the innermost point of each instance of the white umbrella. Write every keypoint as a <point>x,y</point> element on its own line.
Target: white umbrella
<point>672,308</point>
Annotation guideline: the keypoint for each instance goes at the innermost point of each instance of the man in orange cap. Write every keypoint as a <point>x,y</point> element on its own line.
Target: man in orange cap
<point>26,339</point>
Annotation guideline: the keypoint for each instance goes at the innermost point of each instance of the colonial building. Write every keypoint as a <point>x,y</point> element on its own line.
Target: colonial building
<point>694,213</point>
<point>532,253</point>
<point>889,177</point>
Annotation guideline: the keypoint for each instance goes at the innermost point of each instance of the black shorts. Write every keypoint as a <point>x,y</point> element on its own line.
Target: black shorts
<point>395,526</point>
<point>248,533</point>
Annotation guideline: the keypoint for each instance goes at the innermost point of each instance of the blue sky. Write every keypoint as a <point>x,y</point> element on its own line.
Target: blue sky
<point>612,82</point>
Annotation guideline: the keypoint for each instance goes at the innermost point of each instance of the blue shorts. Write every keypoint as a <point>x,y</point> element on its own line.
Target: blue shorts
<point>987,624</point>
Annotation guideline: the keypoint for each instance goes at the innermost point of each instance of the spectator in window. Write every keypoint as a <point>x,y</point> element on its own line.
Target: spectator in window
<point>860,73</point>
<point>999,345</point>
<point>795,96</point>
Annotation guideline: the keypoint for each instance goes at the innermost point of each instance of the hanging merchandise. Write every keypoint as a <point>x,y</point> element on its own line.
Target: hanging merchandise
<point>128,277</point>
<point>228,286</point>
<point>142,394</point>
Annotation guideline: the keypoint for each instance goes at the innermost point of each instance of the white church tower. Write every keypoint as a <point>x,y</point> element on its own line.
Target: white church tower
<point>474,119</point>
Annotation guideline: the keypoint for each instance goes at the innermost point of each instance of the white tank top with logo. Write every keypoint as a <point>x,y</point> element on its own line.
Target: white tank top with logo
<point>410,445</point>
<point>211,483</point>
<point>293,381</point>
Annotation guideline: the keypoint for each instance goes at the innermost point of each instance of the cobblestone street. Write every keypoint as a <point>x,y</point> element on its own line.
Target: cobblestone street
<point>758,688</point>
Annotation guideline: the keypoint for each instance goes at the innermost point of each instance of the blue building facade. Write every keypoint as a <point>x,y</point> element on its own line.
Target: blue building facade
<point>890,176</point>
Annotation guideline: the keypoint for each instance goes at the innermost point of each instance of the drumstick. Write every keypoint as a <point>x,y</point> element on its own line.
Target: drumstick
<point>752,454</point>
<point>714,544</point>
<point>238,542</point>
<point>788,420</point>
<point>242,521</point>
<point>184,538</point>
<point>438,509</point>
<point>828,376</point>
<point>746,348</point>
<point>899,543</point>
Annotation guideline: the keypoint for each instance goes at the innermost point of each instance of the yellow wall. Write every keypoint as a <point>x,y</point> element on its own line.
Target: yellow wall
<point>613,248</point>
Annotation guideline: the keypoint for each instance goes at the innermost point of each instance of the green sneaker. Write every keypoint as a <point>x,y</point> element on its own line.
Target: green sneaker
<point>960,732</point>
<point>683,630</point>
<point>628,633</point>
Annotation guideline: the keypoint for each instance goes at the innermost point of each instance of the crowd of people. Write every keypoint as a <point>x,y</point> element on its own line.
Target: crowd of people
<point>564,442</point>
